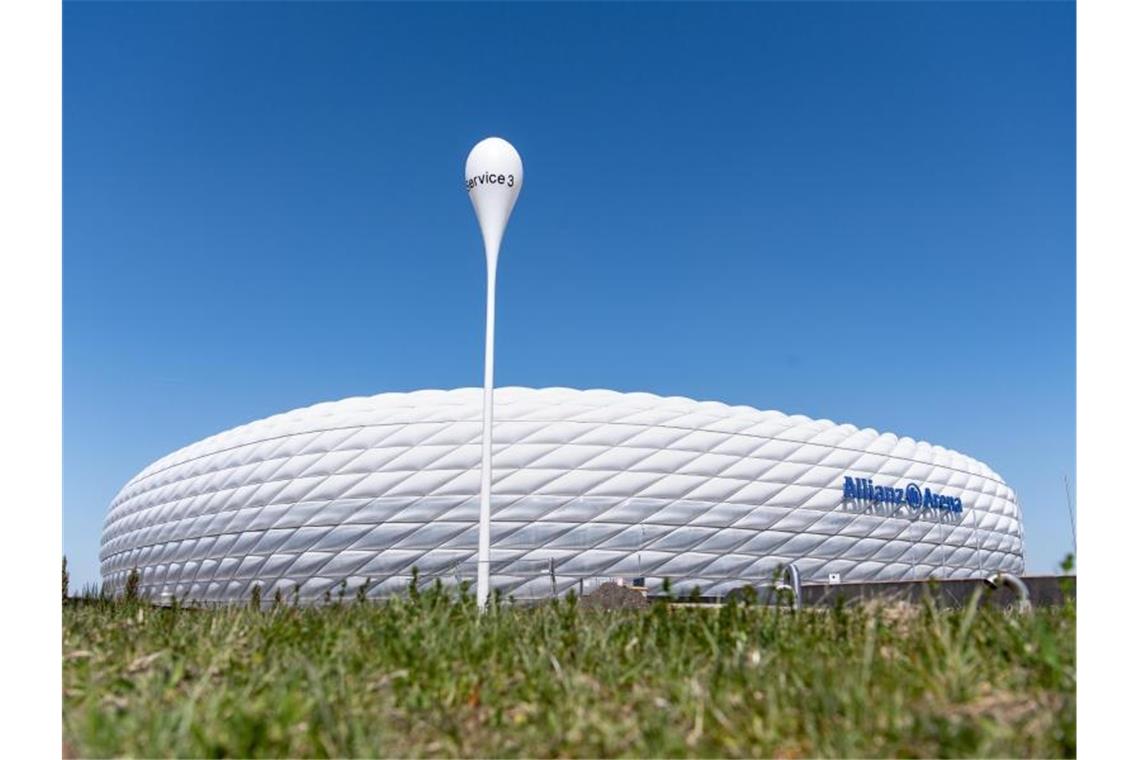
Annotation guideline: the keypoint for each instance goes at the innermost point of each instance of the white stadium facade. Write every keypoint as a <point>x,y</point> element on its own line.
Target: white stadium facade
<point>588,485</point>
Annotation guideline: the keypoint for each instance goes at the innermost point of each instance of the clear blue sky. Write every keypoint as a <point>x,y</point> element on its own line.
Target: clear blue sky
<point>863,212</point>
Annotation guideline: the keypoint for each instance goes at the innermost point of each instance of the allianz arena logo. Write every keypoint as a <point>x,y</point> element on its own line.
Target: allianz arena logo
<point>913,496</point>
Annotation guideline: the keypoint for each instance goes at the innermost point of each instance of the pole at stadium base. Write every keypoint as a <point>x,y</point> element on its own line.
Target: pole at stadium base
<point>493,180</point>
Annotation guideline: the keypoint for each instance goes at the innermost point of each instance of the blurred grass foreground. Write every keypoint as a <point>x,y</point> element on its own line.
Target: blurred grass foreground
<point>425,674</point>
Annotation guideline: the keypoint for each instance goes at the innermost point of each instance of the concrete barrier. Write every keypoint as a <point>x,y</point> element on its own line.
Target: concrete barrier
<point>1043,590</point>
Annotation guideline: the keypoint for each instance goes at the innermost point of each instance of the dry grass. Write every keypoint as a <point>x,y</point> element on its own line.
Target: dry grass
<point>428,677</point>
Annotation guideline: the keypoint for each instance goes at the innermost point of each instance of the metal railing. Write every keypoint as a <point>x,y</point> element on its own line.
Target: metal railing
<point>999,580</point>
<point>513,580</point>
<point>527,581</point>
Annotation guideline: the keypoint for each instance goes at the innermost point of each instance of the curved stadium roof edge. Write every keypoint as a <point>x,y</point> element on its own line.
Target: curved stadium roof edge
<point>447,396</point>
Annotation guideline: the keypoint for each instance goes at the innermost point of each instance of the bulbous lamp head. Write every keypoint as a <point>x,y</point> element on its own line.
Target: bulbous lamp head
<point>494,178</point>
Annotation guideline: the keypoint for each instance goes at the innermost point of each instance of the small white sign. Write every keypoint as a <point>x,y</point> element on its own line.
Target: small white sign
<point>833,577</point>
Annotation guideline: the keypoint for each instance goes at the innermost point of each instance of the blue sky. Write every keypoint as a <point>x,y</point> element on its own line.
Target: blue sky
<point>856,211</point>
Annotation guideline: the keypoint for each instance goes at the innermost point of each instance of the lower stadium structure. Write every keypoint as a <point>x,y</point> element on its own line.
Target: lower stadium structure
<point>588,485</point>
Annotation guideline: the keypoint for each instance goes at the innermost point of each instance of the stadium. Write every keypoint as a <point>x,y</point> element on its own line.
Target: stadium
<point>588,485</point>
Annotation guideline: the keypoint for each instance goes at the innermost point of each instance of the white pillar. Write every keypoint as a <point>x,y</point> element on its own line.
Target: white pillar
<point>483,586</point>
<point>494,178</point>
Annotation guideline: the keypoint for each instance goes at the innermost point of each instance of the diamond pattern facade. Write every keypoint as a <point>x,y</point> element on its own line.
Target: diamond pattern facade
<point>587,484</point>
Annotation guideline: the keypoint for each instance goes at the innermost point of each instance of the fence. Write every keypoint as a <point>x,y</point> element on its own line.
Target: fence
<point>523,581</point>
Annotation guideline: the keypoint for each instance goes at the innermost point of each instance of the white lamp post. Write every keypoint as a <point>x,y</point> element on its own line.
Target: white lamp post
<point>494,178</point>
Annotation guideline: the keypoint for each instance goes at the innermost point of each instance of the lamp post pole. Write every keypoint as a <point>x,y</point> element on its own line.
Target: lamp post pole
<point>494,178</point>
<point>483,586</point>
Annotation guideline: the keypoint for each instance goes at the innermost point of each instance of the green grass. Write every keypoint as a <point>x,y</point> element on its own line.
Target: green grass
<point>427,676</point>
